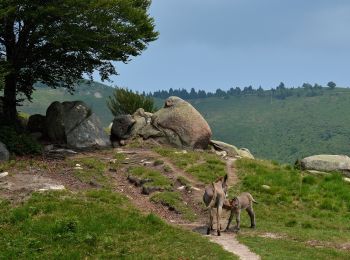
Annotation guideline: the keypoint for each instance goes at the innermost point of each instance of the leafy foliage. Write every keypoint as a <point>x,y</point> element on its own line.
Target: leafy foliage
<point>18,143</point>
<point>56,41</point>
<point>125,101</point>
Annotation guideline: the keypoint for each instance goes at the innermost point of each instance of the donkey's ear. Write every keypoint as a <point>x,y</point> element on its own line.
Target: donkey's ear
<point>225,178</point>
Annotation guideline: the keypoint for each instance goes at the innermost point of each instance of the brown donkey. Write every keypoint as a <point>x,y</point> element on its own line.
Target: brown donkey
<point>214,197</point>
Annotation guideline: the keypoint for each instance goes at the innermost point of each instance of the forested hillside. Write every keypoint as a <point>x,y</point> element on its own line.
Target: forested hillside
<point>282,130</point>
<point>281,125</point>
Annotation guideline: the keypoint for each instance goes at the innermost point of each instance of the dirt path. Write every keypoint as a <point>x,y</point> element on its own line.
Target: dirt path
<point>57,172</point>
<point>227,240</point>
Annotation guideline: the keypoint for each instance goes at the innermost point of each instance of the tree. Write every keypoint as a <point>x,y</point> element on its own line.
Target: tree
<point>125,101</point>
<point>56,41</point>
<point>331,85</point>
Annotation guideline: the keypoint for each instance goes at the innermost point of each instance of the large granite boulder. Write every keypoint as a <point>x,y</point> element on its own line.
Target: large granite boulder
<point>325,162</point>
<point>4,153</point>
<point>88,133</point>
<point>73,123</point>
<point>178,124</point>
<point>181,124</point>
<point>36,123</point>
<point>55,123</point>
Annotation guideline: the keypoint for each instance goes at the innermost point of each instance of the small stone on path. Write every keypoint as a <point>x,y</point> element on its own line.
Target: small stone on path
<point>3,174</point>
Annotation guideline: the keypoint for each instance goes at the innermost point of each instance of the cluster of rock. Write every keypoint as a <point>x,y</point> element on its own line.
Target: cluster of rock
<point>177,123</point>
<point>71,123</point>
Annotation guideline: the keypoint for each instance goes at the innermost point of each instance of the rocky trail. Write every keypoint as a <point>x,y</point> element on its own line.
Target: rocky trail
<point>57,174</point>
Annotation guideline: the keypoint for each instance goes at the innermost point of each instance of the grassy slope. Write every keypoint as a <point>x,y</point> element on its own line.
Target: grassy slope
<point>282,130</point>
<point>94,224</point>
<point>301,208</point>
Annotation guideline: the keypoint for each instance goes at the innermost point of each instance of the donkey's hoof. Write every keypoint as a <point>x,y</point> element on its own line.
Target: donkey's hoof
<point>219,234</point>
<point>208,231</point>
<point>253,226</point>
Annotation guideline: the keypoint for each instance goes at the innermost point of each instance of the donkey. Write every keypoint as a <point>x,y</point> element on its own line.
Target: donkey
<point>243,201</point>
<point>214,197</point>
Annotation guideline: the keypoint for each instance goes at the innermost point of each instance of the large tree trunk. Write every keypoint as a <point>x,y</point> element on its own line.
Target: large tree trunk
<point>10,109</point>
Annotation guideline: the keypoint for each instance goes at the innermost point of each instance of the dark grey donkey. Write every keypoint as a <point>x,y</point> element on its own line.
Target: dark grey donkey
<point>214,197</point>
<point>243,201</point>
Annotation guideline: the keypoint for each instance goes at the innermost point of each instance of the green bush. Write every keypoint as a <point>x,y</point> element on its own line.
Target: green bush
<point>125,101</point>
<point>18,143</point>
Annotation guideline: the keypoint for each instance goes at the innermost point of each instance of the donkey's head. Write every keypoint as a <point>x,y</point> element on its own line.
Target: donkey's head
<point>235,203</point>
<point>224,184</point>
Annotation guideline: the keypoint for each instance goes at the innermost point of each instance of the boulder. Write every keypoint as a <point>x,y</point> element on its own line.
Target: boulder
<point>88,133</point>
<point>73,123</point>
<point>4,153</point>
<point>36,123</point>
<point>230,149</point>
<point>327,163</point>
<point>182,125</point>
<point>121,127</point>
<point>55,124</point>
<point>245,153</point>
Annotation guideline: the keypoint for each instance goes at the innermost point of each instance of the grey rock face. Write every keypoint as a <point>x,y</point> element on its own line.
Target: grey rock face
<point>4,153</point>
<point>122,126</point>
<point>327,163</point>
<point>74,123</point>
<point>55,124</point>
<point>88,133</point>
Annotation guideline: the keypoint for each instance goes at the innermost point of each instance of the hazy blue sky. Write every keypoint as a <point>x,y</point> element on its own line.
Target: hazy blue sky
<point>209,44</point>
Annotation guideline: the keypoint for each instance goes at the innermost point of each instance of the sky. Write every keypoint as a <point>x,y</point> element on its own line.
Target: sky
<point>210,44</point>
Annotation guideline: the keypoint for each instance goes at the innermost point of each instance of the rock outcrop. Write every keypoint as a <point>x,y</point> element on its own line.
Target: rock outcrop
<point>327,163</point>
<point>73,123</point>
<point>231,150</point>
<point>178,123</point>
<point>182,124</point>
<point>4,153</point>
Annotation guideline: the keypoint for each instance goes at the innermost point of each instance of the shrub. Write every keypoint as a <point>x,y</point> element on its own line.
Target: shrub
<point>18,143</point>
<point>125,101</point>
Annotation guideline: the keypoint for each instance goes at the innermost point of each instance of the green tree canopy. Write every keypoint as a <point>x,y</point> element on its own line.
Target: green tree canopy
<point>331,85</point>
<point>124,101</point>
<point>56,41</point>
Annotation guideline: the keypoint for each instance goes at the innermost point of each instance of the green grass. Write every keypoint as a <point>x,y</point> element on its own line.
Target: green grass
<point>158,179</point>
<point>93,170</point>
<point>281,249</point>
<point>183,181</point>
<point>299,206</point>
<point>204,166</point>
<point>180,159</point>
<point>174,200</point>
<point>94,225</point>
<point>209,170</point>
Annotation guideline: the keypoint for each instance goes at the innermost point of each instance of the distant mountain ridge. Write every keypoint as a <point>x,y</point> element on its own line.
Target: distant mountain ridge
<point>271,128</point>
